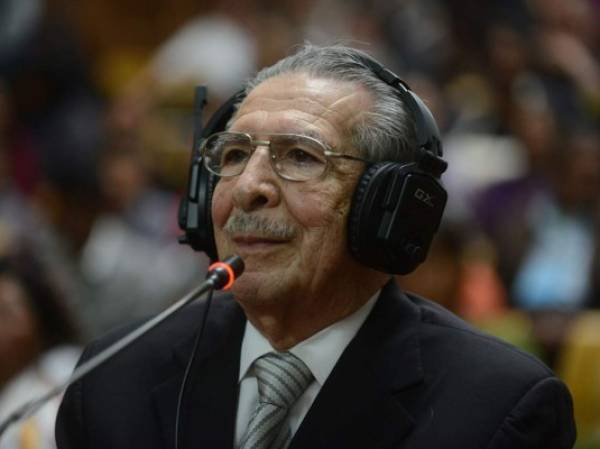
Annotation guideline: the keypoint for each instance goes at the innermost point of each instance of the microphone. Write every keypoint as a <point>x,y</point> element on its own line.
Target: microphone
<point>224,273</point>
<point>221,276</point>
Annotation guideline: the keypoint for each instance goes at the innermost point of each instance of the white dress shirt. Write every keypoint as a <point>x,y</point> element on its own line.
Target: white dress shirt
<point>320,353</point>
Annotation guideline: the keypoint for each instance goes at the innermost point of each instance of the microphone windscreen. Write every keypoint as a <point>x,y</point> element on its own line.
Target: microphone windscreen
<point>222,274</point>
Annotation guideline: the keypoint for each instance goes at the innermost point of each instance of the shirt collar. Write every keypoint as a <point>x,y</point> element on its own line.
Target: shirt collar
<point>320,352</point>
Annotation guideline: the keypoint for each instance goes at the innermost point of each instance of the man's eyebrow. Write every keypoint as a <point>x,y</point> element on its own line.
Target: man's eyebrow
<point>314,134</point>
<point>305,132</point>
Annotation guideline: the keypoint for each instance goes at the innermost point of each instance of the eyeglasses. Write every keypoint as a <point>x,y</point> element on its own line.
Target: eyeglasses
<point>293,157</point>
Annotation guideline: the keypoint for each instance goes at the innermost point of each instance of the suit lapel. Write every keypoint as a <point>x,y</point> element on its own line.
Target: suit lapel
<point>208,409</point>
<point>367,399</point>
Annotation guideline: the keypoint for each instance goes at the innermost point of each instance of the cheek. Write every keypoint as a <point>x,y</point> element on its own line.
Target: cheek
<point>220,209</point>
<point>221,205</point>
<point>327,206</point>
<point>322,215</point>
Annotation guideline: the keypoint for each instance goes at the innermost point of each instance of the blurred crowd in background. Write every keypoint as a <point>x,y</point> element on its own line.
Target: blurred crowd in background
<point>95,133</point>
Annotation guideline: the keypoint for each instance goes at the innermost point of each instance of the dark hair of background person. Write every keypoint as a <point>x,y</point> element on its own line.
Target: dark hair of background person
<point>54,322</point>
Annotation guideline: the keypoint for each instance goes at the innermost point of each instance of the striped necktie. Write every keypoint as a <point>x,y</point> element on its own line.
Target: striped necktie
<point>282,378</point>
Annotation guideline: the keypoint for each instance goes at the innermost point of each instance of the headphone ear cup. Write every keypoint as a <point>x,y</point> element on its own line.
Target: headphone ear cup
<point>205,203</point>
<point>395,213</point>
<point>195,216</point>
<point>355,223</point>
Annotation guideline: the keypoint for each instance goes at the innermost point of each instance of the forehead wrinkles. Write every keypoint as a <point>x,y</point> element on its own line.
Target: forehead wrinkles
<point>293,102</point>
<point>348,109</point>
<point>293,122</point>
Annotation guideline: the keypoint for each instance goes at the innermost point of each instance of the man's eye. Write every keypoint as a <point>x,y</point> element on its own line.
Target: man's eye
<point>302,157</point>
<point>233,156</point>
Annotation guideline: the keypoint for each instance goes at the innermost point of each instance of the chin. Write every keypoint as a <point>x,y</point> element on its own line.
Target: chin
<point>257,289</point>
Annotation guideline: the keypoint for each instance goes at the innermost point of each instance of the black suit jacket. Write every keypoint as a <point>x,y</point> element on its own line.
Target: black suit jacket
<point>415,376</point>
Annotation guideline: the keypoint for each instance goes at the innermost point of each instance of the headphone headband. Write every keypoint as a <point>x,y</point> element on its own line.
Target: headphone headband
<point>426,130</point>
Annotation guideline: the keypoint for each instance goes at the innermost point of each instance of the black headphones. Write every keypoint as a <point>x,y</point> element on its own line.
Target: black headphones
<point>397,206</point>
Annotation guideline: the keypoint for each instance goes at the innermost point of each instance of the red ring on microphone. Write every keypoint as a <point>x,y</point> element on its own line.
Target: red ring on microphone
<point>229,272</point>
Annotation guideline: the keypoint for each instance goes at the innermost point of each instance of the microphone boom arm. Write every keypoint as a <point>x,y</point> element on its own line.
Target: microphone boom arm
<point>218,278</point>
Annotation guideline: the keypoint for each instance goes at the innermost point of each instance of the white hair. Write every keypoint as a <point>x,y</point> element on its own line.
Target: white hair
<point>386,132</point>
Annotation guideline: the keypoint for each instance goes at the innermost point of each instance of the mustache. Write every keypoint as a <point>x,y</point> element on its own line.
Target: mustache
<point>241,223</point>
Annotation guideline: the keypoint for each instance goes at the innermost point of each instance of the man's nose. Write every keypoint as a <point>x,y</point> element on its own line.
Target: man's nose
<point>258,185</point>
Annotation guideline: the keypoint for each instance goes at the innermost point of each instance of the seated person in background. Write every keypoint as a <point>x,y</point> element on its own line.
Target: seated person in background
<point>324,177</point>
<point>36,347</point>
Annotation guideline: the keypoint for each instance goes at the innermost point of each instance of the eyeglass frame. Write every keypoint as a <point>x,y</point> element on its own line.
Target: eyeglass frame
<point>255,143</point>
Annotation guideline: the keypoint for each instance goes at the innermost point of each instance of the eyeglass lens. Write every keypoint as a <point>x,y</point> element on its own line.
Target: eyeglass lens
<point>297,158</point>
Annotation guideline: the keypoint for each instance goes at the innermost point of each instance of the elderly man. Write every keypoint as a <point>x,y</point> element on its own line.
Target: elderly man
<point>324,178</point>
